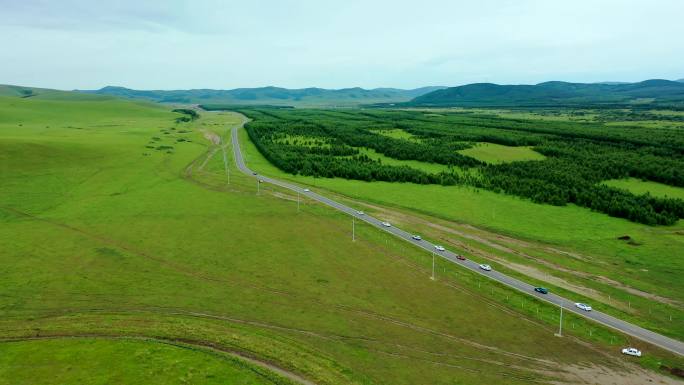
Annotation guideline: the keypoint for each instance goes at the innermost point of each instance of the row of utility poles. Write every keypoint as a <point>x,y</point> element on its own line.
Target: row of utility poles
<point>225,160</point>
<point>432,275</point>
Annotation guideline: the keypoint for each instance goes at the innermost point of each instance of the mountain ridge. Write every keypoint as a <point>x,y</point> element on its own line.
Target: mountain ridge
<point>652,91</point>
<point>270,95</point>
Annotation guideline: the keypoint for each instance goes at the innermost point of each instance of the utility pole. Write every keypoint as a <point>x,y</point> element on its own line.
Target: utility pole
<point>225,163</point>
<point>353,229</point>
<point>258,186</point>
<point>560,323</point>
<point>297,201</point>
<point>433,266</point>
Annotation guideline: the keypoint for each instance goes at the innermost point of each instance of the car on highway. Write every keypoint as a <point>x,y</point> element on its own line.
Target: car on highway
<point>417,238</point>
<point>485,267</point>
<point>360,213</point>
<point>386,224</point>
<point>541,290</point>
<point>439,248</point>
<point>632,352</point>
<point>460,257</point>
<point>583,306</point>
<point>306,190</point>
<point>253,173</point>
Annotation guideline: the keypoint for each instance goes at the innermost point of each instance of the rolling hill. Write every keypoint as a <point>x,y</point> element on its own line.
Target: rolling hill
<point>271,95</point>
<point>656,91</point>
<point>47,94</point>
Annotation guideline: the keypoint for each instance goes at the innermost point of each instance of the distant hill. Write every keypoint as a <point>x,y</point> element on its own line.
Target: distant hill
<point>680,80</point>
<point>46,93</point>
<point>271,95</point>
<point>24,92</point>
<point>612,83</point>
<point>654,91</point>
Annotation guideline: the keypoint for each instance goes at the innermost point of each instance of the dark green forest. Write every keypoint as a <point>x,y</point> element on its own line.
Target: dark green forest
<point>653,92</point>
<point>579,156</point>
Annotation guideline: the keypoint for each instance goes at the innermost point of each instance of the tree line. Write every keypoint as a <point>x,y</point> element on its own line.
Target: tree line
<point>579,156</point>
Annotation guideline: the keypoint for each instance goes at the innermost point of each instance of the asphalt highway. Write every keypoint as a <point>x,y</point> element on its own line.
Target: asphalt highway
<point>659,340</point>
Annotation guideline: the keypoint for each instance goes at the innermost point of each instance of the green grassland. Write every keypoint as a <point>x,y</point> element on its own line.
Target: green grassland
<point>48,94</point>
<point>496,153</point>
<point>537,114</point>
<point>102,361</point>
<point>424,166</point>
<point>112,226</point>
<point>642,187</point>
<point>657,119</point>
<point>649,264</point>
<point>303,140</point>
<point>398,133</point>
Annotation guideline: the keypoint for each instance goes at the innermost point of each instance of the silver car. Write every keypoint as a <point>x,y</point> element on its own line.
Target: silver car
<point>632,352</point>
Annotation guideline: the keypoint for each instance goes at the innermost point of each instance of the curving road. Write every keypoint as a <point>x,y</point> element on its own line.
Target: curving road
<point>602,318</point>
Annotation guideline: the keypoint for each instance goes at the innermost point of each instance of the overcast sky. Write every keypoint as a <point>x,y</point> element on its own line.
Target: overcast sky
<point>169,44</point>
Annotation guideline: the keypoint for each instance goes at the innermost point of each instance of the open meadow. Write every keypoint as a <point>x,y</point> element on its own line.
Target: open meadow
<point>125,236</point>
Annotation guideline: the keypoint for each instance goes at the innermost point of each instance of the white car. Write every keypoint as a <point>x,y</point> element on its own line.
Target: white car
<point>360,213</point>
<point>439,248</point>
<point>485,267</point>
<point>632,352</point>
<point>306,190</point>
<point>583,306</point>
<point>386,224</point>
<point>417,237</point>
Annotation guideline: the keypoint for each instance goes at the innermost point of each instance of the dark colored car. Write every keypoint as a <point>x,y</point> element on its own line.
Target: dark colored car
<point>460,257</point>
<point>542,290</point>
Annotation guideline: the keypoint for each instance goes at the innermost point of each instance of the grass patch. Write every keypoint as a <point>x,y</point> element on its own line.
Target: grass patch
<point>106,361</point>
<point>497,153</point>
<point>398,133</point>
<point>432,168</point>
<point>302,140</point>
<point>637,186</point>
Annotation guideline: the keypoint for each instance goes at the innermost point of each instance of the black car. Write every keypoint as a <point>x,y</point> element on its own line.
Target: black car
<point>542,290</point>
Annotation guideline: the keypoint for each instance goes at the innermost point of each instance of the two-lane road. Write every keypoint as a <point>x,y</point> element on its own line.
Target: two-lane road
<point>568,305</point>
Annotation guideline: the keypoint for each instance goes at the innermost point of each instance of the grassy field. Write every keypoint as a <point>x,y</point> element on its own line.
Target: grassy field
<point>638,186</point>
<point>398,134</point>
<point>497,153</point>
<point>575,115</point>
<point>112,227</point>
<point>423,166</point>
<point>608,269</point>
<point>101,361</point>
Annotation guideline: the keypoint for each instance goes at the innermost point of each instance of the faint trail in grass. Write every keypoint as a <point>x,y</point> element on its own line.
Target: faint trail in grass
<point>184,343</point>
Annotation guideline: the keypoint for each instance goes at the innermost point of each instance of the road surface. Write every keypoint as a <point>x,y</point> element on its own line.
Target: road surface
<point>568,305</point>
